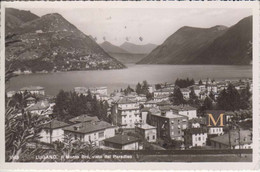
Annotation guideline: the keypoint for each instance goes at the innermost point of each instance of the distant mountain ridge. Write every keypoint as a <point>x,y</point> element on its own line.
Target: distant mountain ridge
<point>215,45</point>
<point>52,43</point>
<point>138,49</point>
<point>110,48</point>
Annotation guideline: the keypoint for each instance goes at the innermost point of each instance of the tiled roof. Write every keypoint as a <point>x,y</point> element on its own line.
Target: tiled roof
<point>150,102</point>
<point>30,98</point>
<point>31,88</point>
<point>84,118</point>
<point>88,127</point>
<point>121,139</point>
<point>245,138</point>
<point>54,124</point>
<point>146,126</point>
<point>164,102</point>
<point>42,105</point>
<point>125,100</point>
<point>183,107</point>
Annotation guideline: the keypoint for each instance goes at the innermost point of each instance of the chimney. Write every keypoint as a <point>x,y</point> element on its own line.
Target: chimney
<point>163,113</point>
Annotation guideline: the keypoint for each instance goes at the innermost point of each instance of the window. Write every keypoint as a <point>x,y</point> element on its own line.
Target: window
<point>148,138</point>
<point>153,137</point>
<point>76,137</point>
<point>89,137</point>
<point>101,134</point>
<point>199,138</point>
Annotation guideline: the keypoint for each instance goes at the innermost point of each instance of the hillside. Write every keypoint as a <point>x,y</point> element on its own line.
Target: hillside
<point>51,43</point>
<point>110,48</point>
<point>138,49</point>
<point>127,58</point>
<point>15,17</point>
<point>216,45</point>
<point>184,45</point>
<point>233,47</point>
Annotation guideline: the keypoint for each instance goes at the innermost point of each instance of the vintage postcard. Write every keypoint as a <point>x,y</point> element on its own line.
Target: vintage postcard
<point>126,85</point>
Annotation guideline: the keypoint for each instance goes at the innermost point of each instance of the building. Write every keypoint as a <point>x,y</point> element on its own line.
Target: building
<point>126,113</point>
<point>150,103</point>
<point>100,90</point>
<point>93,132</point>
<point>122,142</point>
<point>238,140</point>
<point>185,92</point>
<point>197,122</point>
<point>40,108</point>
<point>186,110</point>
<point>215,131</point>
<point>10,94</point>
<point>52,131</point>
<point>30,101</point>
<point>160,98</point>
<point>33,90</point>
<point>169,125</point>
<point>147,131</point>
<point>163,92</point>
<point>84,118</point>
<point>194,137</point>
<point>81,90</point>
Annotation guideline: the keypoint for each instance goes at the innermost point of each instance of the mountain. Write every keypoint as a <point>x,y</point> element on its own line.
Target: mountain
<point>216,45</point>
<point>51,43</point>
<point>110,48</point>
<point>233,47</point>
<point>138,49</point>
<point>15,17</point>
<point>184,45</point>
<point>127,58</point>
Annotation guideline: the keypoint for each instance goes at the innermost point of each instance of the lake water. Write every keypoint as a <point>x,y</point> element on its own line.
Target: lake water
<point>116,79</point>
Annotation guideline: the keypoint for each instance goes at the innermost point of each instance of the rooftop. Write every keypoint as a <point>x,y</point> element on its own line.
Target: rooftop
<point>245,138</point>
<point>125,100</point>
<point>146,126</point>
<point>54,124</point>
<point>168,114</point>
<point>88,127</point>
<point>121,139</point>
<point>41,105</point>
<point>31,88</point>
<point>185,90</point>
<point>84,118</point>
<point>183,107</point>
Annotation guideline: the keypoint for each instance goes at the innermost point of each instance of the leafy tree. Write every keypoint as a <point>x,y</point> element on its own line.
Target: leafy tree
<point>158,86</point>
<point>145,88</point>
<point>193,98</point>
<point>138,88</point>
<point>184,83</point>
<point>200,82</point>
<point>208,103</point>
<point>229,99</point>
<point>245,96</point>
<point>211,95</point>
<point>177,97</point>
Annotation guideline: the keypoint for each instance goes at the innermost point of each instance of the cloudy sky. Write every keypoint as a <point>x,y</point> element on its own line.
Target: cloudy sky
<point>142,26</point>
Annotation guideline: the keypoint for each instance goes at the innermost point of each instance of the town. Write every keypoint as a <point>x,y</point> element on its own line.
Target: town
<point>164,116</point>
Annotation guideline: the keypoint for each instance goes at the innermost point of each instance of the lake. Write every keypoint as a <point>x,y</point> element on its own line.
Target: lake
<point>116,79</point>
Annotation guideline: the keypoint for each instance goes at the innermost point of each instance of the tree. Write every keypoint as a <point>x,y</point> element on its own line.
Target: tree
<point>211,95</point>
<point>158,86</point>
<point>145,88</point>
<point>245,96</point>
<point>138,88</point>
<point>193,98</point>
<point>208,103</point>
<point>229,99</point>
<point>177,97</point>
<point>200,82</point>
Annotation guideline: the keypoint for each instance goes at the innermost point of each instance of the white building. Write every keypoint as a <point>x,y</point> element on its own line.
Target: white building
<point>147,131</point>
<point>215,131</point>
<point>126,113</point>
<point>186,110</point>
<point>185,92</point>
<point>195,137</point>
<point>40,108</point>
<point>52,131</point>
<point>33,90</point>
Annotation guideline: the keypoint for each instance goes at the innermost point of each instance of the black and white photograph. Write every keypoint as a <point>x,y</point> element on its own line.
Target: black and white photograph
<point>95,83</point>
